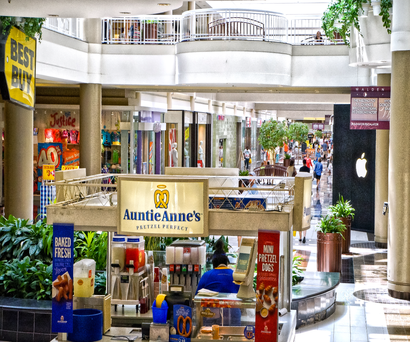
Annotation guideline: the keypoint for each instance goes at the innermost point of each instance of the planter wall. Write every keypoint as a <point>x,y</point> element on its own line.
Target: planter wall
<point>329,252</point>
<point>347,221</point>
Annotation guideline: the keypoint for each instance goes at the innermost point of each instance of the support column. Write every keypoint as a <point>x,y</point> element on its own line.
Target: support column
<point>192,103</point>
<point>398,271</point>
<point>210,106</point>
<point>18,161</point>
<point>90,126</point>
<point>191,5</point>
<point>169,101</point>
<point>382,176</point>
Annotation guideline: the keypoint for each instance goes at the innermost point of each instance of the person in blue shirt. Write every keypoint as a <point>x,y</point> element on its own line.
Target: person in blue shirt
<point>220,278</point>
<point>318,172</point>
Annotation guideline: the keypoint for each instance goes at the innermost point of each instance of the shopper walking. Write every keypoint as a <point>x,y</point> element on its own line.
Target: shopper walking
<point>247,157</point>
<point>291,170</point>
<point>318,172</point>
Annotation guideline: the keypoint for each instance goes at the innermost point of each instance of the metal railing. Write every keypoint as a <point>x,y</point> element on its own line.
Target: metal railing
<point>230,193</point>
<point>153,29</point>
<point>231,24</point>
<point>72,27</point>
<point>308,31</point>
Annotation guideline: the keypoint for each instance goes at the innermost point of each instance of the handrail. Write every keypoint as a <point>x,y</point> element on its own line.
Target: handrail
<point>214,24</point>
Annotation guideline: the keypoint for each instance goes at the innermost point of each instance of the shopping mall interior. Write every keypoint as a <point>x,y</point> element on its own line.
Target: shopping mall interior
<point>175,92</point>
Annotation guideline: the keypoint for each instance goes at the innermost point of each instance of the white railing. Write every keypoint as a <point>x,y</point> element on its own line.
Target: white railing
<point>215,24</point>
<point>153,29</point>
<point>308,31</point>
<point>72,27</point>
<point>231,24</point>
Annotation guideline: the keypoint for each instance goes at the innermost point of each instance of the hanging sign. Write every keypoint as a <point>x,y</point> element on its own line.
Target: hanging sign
<point>370,108</point>
<point>69,167</point>
<point>170,207</point>
<point>18,68</point>
<point>49,172</point>
<point>267,286</point>
<point>49,153</point>
<point>62,288</point>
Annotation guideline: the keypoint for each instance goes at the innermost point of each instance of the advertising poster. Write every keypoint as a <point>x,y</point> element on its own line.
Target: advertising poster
<point>62,289</point>
<point>370,108</point>
<point>49,154</point>
<point>267,287</point>
<point>182,324</point>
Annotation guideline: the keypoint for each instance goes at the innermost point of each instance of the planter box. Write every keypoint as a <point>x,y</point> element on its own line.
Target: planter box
<point>347,221</point>
<point>286,162</point>
<point>329,252</point>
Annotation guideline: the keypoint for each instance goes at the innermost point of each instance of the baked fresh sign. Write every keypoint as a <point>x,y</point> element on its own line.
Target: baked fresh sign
<point>154,207</point>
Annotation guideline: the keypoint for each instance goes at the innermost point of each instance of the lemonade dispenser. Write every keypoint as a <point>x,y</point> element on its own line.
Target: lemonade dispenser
<point>84,275</point>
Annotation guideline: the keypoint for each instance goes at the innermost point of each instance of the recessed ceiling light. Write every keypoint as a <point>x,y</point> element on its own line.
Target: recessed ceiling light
<point>163,4</point>
<point>125,12</point>
<point>53,15</point>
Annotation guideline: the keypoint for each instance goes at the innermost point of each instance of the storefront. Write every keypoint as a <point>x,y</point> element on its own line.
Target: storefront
<point>188,139</point>
<point>225,140</point>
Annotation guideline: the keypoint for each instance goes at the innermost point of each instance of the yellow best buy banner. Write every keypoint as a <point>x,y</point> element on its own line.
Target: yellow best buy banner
<point>19,68</point>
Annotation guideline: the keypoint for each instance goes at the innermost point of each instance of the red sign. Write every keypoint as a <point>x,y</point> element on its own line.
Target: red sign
<point>248,122</point>
<point>62,120</point>
<point>370,108</point>
<point>267,287</point>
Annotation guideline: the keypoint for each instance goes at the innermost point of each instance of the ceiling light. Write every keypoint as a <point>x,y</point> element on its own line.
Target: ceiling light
<point>53,15</point>
<point>163,4</point>
<point>125,12</point>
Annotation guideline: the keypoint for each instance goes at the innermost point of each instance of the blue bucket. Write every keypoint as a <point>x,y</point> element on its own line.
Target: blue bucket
<point>159,315</point>
<point>87,325</point>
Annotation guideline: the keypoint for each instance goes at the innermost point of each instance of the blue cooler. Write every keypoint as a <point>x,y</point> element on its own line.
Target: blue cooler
<point>159,315</point>
<point>87,325</point>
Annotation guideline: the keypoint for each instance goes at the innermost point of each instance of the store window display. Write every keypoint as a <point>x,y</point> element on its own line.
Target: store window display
<point>111,141</point>
<point>201,154</point>
<point>174,155</point>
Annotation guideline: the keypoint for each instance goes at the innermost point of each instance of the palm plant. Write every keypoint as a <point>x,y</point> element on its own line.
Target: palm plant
<point>342,208</point>
<point>331,224</point>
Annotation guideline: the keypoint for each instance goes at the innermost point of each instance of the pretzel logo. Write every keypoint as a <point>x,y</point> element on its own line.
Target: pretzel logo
<point>161,197</point>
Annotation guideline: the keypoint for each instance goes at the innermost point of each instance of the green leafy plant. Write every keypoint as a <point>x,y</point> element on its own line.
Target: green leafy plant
<point>25,279</point>
<point>211,243</point>
<point>342,15</point>
<point>342,208</point>
<point>100,283</point>
<point>287,156</point>
<point>319,134</point>
<point>30,26</point>
<point>273,134</point>
<point>296,270</point>
<point>243,173</point>
<point>331,224</point>
<point>91,245</point>
<point>298,131</point>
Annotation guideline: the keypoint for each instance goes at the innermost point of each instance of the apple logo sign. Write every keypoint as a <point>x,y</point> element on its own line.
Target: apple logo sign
<point>361,167</point>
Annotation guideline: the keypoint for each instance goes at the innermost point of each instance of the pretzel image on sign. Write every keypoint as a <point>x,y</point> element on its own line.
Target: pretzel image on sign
<point>161,197</point>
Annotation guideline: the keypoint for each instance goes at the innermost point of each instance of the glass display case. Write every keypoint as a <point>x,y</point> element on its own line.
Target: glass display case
<point>222,317</point>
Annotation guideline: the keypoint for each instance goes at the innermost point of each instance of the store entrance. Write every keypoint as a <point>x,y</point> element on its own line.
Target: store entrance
<point>222,153</point>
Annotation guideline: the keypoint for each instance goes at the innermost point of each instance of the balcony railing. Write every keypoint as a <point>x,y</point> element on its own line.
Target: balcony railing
<point>154,29</point>
<point>68,26</point>
<point>213,24</point>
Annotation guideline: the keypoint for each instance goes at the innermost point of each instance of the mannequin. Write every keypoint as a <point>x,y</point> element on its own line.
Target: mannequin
<point>174,155</point>
<point>186,153</point>
<point>201,151</point>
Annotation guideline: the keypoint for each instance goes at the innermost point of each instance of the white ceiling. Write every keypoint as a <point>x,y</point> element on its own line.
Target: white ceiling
<point>116,8</point>
<point>84,8</point>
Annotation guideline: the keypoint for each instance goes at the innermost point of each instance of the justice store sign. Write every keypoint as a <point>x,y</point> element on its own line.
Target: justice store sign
<point>163,207</point>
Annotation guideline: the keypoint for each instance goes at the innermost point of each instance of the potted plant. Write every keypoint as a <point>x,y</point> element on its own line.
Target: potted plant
<point>298,131</point>
<point>286,160</point>
<point>329,244</point>
<point>345,212</point>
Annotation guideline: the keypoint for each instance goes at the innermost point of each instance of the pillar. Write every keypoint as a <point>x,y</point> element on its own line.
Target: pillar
<point>210,106</point>
<point>398,266</point>
<point>90,128</point>
<point>169,101</point>
<point>191,5</point>
<point>192,103</point>
<point>382,175</point>
<point>223,108</point>
<point>18,161</point>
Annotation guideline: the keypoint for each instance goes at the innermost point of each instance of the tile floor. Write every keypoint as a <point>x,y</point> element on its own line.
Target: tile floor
<point>364,311</point>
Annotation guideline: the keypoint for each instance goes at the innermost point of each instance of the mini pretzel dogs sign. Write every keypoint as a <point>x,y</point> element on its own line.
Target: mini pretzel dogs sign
<point>62,290</point>
<point>267,285</point>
